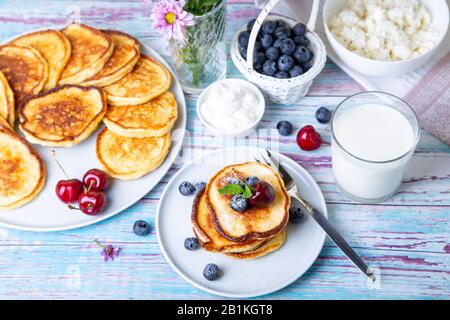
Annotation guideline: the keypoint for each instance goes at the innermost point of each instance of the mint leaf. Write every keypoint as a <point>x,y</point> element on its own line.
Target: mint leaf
<point>231,189</point>
<point>247,192</point>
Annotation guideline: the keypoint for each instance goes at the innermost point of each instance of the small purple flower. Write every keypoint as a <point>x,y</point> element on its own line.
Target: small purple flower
<point>109,251</point>
<point>169,17</point>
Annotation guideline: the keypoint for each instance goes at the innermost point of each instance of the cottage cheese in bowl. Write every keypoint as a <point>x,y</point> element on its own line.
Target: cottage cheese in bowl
<point>231,107</point>
<point>385,30</point>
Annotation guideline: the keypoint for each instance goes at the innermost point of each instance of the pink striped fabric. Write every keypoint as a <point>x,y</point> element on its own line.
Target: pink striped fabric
<point>431,100</point>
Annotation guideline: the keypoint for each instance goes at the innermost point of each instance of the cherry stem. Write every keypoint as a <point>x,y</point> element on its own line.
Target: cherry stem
<point>59,165</point>
<point>73,208</point>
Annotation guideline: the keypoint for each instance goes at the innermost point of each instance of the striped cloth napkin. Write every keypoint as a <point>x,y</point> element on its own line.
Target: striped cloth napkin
<point>426,89</point>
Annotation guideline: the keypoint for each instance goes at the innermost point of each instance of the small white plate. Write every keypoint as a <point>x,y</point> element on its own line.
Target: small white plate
<point>240,278</point>
<point>47,213</point>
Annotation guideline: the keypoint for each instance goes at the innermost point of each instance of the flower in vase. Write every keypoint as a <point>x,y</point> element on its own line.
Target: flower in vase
<point>170,18</point>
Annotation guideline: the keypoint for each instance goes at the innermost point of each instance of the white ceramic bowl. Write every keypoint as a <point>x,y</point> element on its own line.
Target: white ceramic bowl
<point>242,83</point>
<point>440,19</point>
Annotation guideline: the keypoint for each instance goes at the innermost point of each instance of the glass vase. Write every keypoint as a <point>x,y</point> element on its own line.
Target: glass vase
<point>201,58</point>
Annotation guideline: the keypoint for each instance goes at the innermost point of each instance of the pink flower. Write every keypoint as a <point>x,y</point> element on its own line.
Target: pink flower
<point>169,17</point>
<point>109,252</point>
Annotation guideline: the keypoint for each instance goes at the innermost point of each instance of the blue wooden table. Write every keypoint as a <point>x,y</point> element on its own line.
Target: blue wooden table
<point>406,237</point>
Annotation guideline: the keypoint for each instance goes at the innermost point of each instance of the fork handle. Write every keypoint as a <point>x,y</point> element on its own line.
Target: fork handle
<point>334,235</point>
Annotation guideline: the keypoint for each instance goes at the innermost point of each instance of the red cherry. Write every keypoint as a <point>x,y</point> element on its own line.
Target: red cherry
<point>91,202</point>
<point>308,138</point>
<point>95,179</point>
<point>68,191</point>
<point>263,195</point>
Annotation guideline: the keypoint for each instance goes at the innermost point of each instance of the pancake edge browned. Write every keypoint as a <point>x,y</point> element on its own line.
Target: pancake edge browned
<point>51,82</point>
<point>96,65</point>
<point>9,96</point>
<point>122,71</point>
<point>42,177</point>
<point>251,235</point>
<point>40,84</point>
<point>258,252</point>
<point>204,239</point>
<point>67,140</point>
<point>135,174</point>
<point>123,101</point>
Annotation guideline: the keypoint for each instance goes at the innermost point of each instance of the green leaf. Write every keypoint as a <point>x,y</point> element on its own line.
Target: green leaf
<point>247,192</point>
<point>231,189</point>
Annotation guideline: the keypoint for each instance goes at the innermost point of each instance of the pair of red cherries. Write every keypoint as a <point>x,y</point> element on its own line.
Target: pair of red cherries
<point>89,193</point>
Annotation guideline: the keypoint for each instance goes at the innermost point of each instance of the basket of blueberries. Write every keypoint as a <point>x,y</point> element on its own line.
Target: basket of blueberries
<point>279,55</point>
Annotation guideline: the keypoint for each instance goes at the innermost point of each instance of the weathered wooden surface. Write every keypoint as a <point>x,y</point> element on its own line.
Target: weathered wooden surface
<point>407,237</point>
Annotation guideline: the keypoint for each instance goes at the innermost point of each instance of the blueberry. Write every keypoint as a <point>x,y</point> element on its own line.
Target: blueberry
<point>284,128</point>
<point>287,46</point>
<point>186,188</point>
<point>211,272</point>
<point>272,53</point>
<point>232,180</point>
<point>243,52</point>
<point>282,33</point>
<point>191,243</point>
<point>278,43</point>
<point>200,186</point>
<point>258,67</point>
<point>238,203</point>
<point>270,67</point>
<point>285,63</point>
<point>258,57</point>
<point>307,65</point>
<point>251,181</point>
<point>141,228</point>
<point>296,214</point>
<point>257,45</point>
<point>296,71</point>
<point>266,41</point>
<point>302,54</point>
<point>323,115</point>
<point>268,27</point>
<point>243,38</point>
<point>281,75</point>
<point>280,23</point>
<point>301,41</point>
<point>299,29</point>
<point>250,24</point>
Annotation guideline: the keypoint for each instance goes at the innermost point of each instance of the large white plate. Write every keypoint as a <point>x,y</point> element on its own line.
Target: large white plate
<point>241,278</point>
<point>47,213</point>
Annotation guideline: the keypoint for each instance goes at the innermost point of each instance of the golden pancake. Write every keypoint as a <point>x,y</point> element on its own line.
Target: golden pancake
<point>25,69</point>
<point>254,223</point>
<point>54,47</point>
<point>22,174</point>
<point>207,235</point>
<point>91,49</point>
<point>269,246</point>
<point>124,58</point>
<point>148,80</point>
<point>6,101</point>
<point>130,158</point>
<point>154,118</point>
<point>63,116</point>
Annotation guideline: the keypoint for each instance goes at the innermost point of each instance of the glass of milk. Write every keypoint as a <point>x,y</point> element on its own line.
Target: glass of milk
<point>374,135</point>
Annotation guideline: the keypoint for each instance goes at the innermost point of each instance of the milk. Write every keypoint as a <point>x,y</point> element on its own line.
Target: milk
<point>371,146</point>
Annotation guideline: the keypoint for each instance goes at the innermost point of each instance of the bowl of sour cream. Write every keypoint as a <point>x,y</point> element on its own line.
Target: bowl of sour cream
<point>231,107</point>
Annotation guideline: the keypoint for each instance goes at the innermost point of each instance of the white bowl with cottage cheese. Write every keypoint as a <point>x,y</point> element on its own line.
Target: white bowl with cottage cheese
<point>385,37</point>
<point>231,107</point>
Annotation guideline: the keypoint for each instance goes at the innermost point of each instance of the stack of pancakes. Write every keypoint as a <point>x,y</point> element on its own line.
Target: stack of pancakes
<point>62,84</point>
<point>243,235</point>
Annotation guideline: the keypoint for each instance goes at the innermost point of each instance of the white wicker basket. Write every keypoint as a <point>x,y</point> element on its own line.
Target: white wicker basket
<point>283,91</point>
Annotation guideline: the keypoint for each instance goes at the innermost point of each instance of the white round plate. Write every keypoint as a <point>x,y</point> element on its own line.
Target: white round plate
<point>240,278</point>
<point>47,213</point>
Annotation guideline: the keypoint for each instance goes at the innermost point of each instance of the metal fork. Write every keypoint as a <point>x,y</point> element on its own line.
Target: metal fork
<point>334,235</point>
